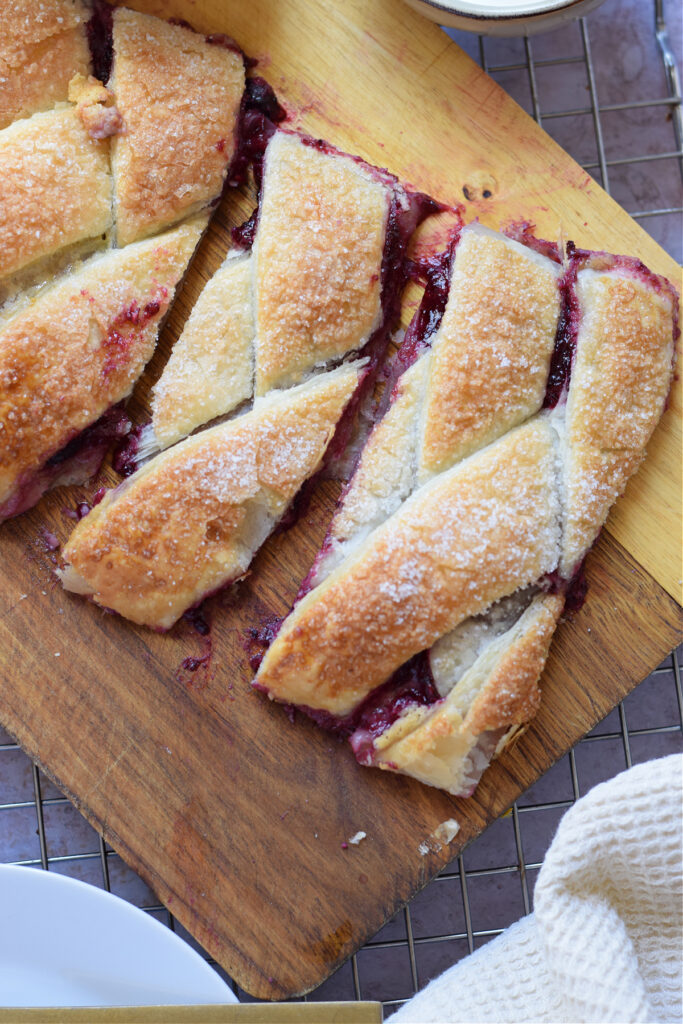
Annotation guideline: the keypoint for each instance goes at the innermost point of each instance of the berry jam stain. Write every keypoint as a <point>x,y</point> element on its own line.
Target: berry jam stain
<point>49,544</point>
<point>258,639</point>
<point>195,672</point>
<point>119,338</point>
<point>574,589</point>
<point>565,339</point>
<point>49,539</point>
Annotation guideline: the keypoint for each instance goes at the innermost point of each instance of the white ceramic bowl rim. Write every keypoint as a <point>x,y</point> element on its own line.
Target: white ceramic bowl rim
<point>503,9</point>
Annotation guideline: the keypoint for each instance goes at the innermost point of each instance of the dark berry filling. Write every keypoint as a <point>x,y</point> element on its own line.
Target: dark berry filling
<point>77,461</point>
<point>257,641</point>
<point>119,338</point>
<point>574,589</point>
<point>125,458</point>
<point>565,339</point>
<point>412,685</point>
<point>99,30</point>
<point>260,113</point>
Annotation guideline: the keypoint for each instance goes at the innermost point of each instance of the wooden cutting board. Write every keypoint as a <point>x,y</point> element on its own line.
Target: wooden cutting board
<point>234,816</point>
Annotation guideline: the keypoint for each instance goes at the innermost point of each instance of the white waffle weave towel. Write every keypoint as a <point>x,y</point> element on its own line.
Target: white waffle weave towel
<point>605,941</point>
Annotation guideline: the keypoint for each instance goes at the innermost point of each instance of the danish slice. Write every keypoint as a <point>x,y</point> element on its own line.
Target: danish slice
<point>424,625</point>
<point>210,371</point>
<point>75,350</point>
<point>620,377</point>
<point>179,98</point>
<point>190,521</point>
<point>41,49</point>
<point>55,194</point>
<point>321,281</point>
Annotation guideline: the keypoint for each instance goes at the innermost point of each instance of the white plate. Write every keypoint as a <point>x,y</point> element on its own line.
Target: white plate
<point>65,943</point>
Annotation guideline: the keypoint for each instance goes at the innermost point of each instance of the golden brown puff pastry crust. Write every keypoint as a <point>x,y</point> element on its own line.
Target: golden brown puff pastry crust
<point>491,354</point>
<point>55,188</point>
<point>179,98</point>
<point>211,368</point>
<point>191,519</point>
<point>448,743</point>
<point>470,537</point>
<point>620,380</point>
<point>317,260</point>
<point>80,345</point>
<point>42,46</point>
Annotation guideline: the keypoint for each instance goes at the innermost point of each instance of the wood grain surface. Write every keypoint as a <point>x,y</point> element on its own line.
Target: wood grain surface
<point>233,815</point>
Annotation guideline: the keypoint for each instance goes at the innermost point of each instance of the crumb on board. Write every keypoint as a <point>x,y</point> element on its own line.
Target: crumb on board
<point>359,837</point>
<point>442,835</point>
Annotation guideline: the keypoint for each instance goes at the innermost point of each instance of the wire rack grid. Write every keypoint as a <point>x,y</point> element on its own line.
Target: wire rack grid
<point>612,98</point>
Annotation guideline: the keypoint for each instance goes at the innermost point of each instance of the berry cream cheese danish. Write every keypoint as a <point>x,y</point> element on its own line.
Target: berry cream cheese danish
<point>73,352</point>
<point>190,520</point>
<point>423,628</point>
<point>322,280</point>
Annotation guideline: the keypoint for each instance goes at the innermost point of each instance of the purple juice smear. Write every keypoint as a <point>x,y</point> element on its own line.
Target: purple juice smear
<point>199,622</point>
<point>410,686</point>
<point>574,589</point>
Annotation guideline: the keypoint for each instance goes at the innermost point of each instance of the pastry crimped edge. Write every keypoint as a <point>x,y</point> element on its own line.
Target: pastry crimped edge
<point>153,57</point>
<point>190,520</point>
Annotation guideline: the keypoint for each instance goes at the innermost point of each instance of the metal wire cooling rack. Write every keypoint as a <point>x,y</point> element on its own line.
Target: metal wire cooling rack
<point>608,89</point>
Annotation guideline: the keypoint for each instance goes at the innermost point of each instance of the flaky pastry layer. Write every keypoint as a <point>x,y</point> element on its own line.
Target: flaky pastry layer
<point>446,743</point>
<point>210,370</point>
<point>491,354</point>
<point>620,381</point>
